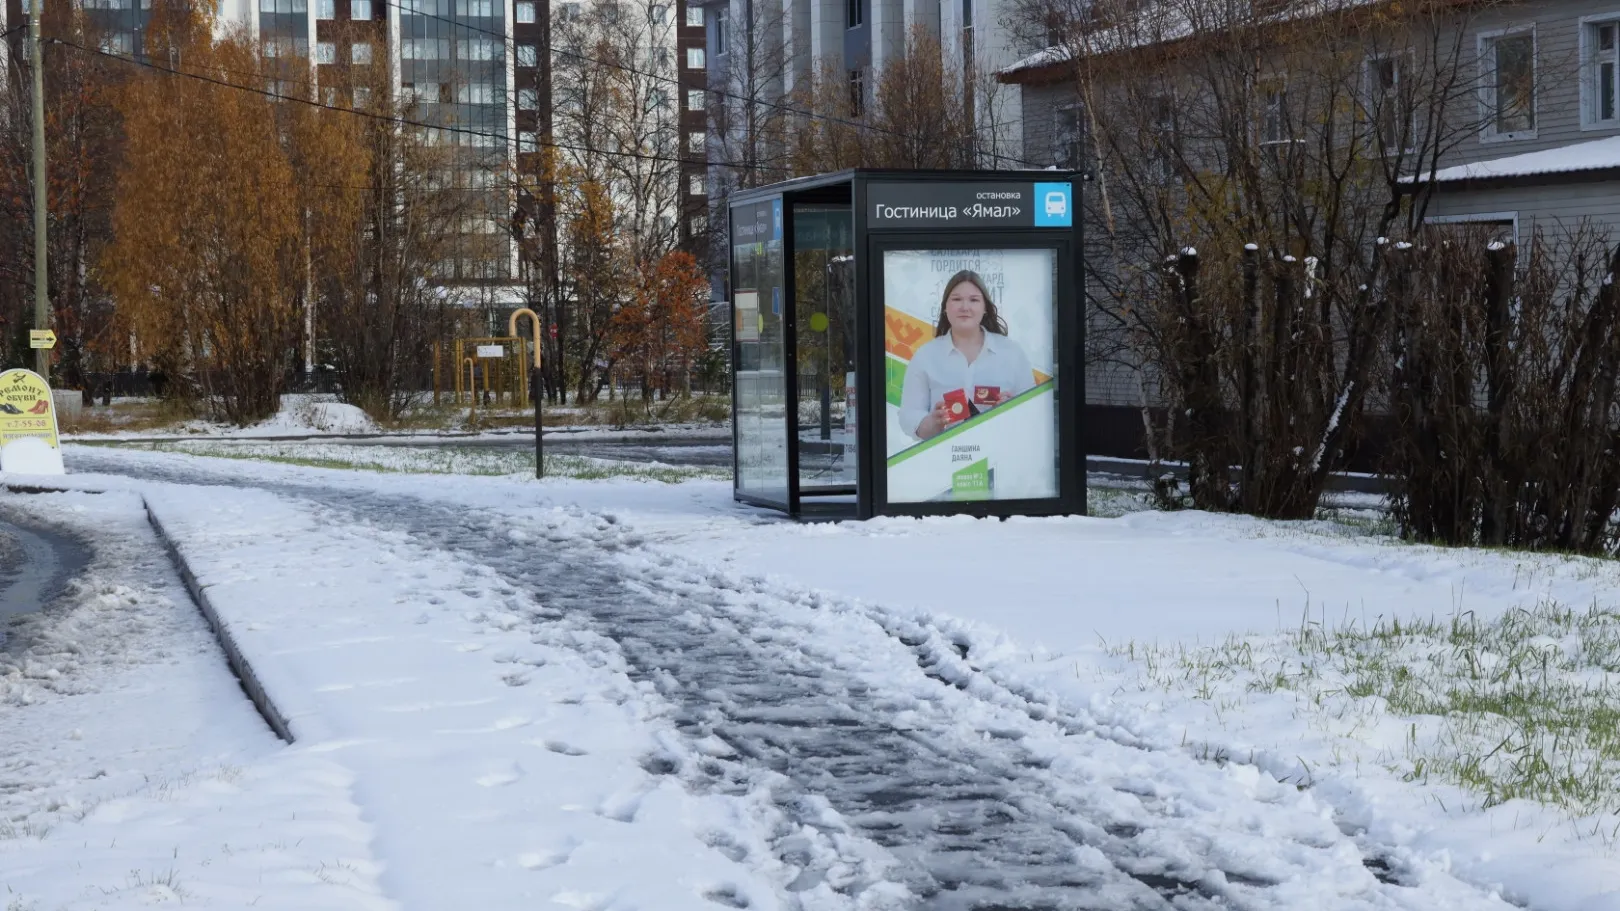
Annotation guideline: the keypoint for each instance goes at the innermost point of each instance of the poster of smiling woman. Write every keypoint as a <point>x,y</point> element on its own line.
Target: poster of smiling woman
<point>970,343</point>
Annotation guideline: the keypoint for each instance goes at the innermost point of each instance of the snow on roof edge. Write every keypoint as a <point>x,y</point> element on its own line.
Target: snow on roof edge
<point>1591,155</point>
<point>1035,61</point>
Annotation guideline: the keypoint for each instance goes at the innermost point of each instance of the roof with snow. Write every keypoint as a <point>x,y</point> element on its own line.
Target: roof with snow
<point>1154,23</point>
<point>1594,155</point>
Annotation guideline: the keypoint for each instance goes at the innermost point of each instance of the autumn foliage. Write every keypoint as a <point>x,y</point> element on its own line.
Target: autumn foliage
<point>209,261</point>
<point>659,333</point>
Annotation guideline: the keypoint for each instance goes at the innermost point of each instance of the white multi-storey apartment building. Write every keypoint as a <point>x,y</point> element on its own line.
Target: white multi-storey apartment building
<point>788,41</point>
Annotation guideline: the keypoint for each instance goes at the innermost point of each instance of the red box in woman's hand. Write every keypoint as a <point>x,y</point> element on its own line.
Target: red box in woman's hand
<point>956,405</point>
<point>986,395</point>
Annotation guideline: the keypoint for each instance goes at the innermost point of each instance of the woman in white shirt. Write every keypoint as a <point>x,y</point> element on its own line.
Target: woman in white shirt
<point>969,367</point>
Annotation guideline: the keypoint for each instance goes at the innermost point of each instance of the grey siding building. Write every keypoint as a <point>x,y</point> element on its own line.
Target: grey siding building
<point>1546,162</point>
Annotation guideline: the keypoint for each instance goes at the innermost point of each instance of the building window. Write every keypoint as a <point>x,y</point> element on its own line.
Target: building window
<point>1066,135</point>
<point>475,93</point>
<point>476,49</point>
<point>525,12</point>
<point>694,99</point>
<point>695,142</point>
<point>1603,71</point>
<point>325,52</point>
<point>424,48</point>
<point>475,9</point>
<point>527,55</point>
<point>360,53</point>
<point>857,92</point>
<point>1273,112</point>
<point>527,142</point>
<point>1510,83</point>
<point>719,31</point>
<point>694,58</point>
<point>854,13</point>
<point>329,96</point>
<point>1487,227</point>
<point>326,9</point>
<point>116,43</point>
<point>1388,105</point>
<point>528,99</point>
<point>420,93</point>
<point>696,185</point>
<point>362,96</point>
<point>360,10</point>
<point>1165,139</point>
<point>659,13</point>
<point>694,17</point>
<point>698,224</point>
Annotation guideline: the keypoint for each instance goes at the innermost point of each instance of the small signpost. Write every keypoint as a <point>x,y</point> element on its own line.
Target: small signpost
<point>28,438</point>
<point>41,338</point>
<point>487,351</point>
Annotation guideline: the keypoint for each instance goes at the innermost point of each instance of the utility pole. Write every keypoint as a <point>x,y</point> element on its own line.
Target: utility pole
<point>42,304</point>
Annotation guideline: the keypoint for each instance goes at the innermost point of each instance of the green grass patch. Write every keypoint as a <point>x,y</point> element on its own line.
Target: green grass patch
<point>1523,706</point>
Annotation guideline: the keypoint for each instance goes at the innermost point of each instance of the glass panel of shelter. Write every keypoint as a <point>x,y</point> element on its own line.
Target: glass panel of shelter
<point>759,355</point>
<point>824,321</point>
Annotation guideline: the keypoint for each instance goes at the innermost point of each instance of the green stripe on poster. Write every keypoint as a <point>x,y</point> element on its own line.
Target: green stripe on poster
<point>970,422</point>
<point>894,379</point>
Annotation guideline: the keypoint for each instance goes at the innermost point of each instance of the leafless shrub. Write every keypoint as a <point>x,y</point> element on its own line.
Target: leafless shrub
<point>1503,387</point>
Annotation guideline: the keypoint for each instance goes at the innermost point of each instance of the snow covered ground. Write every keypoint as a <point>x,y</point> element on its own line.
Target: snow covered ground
<point>129,757</point>
<point>507,689</point>
<point>310,416</point>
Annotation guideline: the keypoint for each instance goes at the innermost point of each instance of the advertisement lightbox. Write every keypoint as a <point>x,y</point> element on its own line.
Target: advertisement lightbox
<point>970,346</point>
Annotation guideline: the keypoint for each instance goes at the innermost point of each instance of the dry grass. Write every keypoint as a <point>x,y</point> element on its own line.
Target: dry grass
<point>125,415</point>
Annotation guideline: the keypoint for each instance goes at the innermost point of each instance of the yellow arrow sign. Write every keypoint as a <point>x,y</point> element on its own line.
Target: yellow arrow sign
<point>41,338</point>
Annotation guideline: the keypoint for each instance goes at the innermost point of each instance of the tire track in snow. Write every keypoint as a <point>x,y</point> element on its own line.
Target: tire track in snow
<point>979,817</point>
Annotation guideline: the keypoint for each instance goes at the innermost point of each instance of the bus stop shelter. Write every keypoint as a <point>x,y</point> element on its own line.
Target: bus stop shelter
<point>908,343</point>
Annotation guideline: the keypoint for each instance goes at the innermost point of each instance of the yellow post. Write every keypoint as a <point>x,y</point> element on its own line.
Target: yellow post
<point>522,387</point>
<point>458,371</point>
<point>534,383</point>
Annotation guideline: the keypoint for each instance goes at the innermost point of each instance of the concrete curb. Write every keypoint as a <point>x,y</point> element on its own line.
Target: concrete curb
<point>233,655</point>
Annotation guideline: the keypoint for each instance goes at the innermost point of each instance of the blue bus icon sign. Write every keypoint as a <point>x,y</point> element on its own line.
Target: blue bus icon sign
<point>1052,208</point>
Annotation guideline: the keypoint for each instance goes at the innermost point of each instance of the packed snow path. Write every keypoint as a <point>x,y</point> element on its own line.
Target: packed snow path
<point>35,564</point>
<point>983,796</point>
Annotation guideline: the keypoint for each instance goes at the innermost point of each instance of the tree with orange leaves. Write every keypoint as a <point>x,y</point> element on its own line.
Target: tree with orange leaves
<point>212,249</point>
<point>659,333</point>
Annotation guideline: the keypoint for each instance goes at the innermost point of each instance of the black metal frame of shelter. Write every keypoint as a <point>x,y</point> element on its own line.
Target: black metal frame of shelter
<point>869,496</point>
